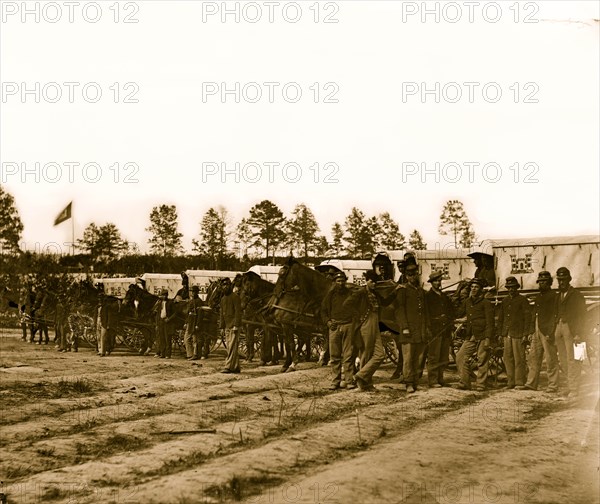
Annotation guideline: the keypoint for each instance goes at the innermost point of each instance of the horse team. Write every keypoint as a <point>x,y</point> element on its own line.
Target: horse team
<point>304,303</point>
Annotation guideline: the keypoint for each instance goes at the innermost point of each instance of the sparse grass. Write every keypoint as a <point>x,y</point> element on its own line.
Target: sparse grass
<point>52,493</point>
<point>241,487</point>
<point>17,471</point>
<point>46,452</point>
<point>75,386</point>
<point>105,447</point>
<point>83,426</point>
<point>17,393</point>
<point>173,466</point>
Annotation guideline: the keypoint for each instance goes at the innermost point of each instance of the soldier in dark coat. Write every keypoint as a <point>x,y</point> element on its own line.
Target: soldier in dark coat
<point>192,324</point>
<point>479,333</point>
<point>542,328</point>
<point>514,322</point>
<point>441,319</point>
<point>165,314</point>
<point>415,331</point>
<point>106,324</point>
<point>571,313</point>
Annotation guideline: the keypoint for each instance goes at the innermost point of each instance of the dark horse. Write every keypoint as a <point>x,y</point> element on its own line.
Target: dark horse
<point>295,305</point>
<point>255,293</point>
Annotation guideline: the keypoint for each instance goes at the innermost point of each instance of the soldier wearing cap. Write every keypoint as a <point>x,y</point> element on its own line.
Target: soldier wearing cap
<point>441,319</point>
<point>569,328</point>
<point>365,304</point>
<point>164,313</point>
<point>543,326</point>
<point>514,322</point>
<point>415,331</point>
<point>479,333</point>
<point>338,318</point>
<point>231,319</point>
<point>192,324</point>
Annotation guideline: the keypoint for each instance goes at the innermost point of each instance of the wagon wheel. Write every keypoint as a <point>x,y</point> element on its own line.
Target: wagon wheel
<point>389,346</point>
<point>496,364</point>
<point>82,327</point>
<point>245,350</point>
<point>179,338</point>
<point>319,344</point>
<point>242,343</point>
<point>259,336</point>
<point>132,337</point>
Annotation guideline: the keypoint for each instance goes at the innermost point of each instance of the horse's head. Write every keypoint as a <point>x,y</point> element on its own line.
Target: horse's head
<point>214,293</point>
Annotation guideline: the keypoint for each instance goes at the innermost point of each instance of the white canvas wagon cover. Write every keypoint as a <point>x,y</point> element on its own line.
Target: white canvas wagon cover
<point>115,286</point>
<point>202,278</point>
<point>524,258</point>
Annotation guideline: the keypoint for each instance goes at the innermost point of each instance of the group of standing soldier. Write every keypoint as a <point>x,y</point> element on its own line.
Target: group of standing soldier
<point>426,321</point>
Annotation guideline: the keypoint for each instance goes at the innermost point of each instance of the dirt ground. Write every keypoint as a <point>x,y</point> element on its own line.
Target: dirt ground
<point>77,428</point>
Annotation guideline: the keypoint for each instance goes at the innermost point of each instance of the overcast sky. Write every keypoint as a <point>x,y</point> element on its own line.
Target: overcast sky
<point>370,122</point>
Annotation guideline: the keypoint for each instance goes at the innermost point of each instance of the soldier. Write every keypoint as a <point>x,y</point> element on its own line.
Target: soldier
<point>25,304</point>
<point>441,317</point>
<point>542,341</point>
<point>183,293</point>
<point>165,313</point>
<point>479,332</point>
<point>569,329</point>
<point>365,304</point>
<point>514,324</point>
<point>341,329</point>
<point>415,331</point>
<point>192,326</point>
<point>105,325</point>
<point>382,265</point>
<point>231,319</point>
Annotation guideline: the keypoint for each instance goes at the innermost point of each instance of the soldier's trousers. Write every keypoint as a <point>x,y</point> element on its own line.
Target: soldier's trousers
<point>106,342</point>
<point>438,356</point>
<point>542,346</point>
<point>570,367</point>
<point>201,344</point>
<point>468,349</point>
<point>340,353</point>
<point>372,354</point>
<point>412,356</point>
<point>232,338</point>
<point>165,341</point>
<point>188,340</point>
<point>514,361</point>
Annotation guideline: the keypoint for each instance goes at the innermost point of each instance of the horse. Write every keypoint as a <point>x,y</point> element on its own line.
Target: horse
<point>254,293</point>
<point>295,306</point>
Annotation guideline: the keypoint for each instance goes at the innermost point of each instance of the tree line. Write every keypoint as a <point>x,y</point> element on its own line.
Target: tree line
<point>264,233</point>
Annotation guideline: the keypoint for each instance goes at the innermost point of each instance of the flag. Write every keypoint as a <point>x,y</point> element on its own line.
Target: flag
<point>64,215</point>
